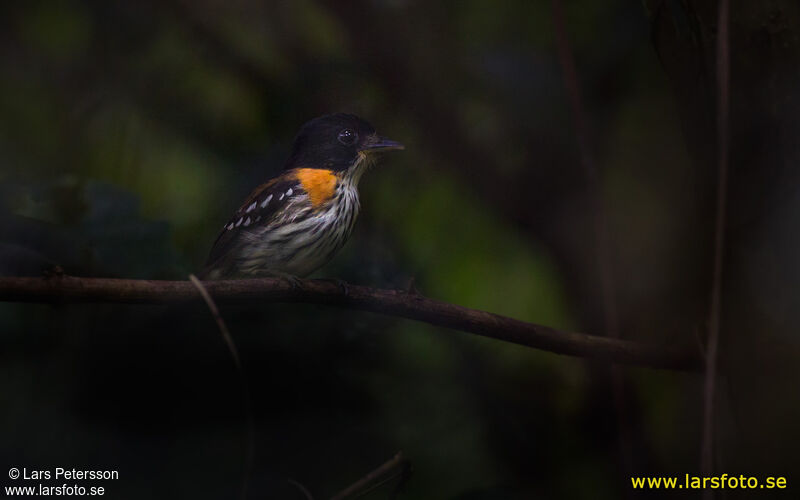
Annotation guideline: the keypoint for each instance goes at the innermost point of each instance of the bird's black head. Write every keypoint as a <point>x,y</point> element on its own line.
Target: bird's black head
<point>336,142</point>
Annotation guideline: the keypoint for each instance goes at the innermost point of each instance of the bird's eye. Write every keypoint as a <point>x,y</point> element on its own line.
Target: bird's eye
<point>348,137</point>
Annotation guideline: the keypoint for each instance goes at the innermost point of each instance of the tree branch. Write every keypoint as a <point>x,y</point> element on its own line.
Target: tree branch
<point>68,289</point>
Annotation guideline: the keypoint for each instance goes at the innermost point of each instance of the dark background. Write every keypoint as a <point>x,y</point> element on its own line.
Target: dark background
<point>130,131</point>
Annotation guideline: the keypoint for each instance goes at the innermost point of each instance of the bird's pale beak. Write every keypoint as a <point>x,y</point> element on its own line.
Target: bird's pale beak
<point>377,143</point>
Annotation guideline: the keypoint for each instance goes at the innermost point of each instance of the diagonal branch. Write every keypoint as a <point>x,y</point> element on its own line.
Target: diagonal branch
<point>68,289</point>
<point>250,423</point>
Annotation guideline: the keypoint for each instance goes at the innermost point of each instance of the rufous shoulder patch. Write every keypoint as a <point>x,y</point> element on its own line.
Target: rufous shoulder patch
<point>319,184</point>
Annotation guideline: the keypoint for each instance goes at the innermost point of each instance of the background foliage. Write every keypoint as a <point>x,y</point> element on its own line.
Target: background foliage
<point>131,130</point>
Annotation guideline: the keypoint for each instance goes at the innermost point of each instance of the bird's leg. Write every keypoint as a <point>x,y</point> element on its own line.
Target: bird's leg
<point>342,284</point>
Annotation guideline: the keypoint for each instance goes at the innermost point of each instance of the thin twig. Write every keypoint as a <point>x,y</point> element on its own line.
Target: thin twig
<point>223,328</point>
<point>723,143</point>
<point>247,407</point>
<point>302,488</point>
<point>602,237</point>
<point>356,487</point>
<point>583,134</point>
<point>380,483</point>
<point>398,303</point>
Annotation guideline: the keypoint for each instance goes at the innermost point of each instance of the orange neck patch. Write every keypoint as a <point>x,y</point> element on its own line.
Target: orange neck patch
<point>319,184</point>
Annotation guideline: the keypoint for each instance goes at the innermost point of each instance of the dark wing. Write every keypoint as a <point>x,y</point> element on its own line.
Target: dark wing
<point>258,210</point>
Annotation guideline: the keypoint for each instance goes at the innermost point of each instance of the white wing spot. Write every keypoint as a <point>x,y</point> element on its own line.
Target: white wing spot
<point>266,201</point>
<point>247,221</point>
<point>281,197</point>
<point>289,192</point>
<point>251,208</point>
<point>239,222</point>
<point>230,226</point>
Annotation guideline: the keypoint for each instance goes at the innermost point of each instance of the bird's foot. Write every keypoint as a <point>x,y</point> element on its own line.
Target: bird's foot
<point>342,284</point>
<point>54,271</point>
<point>293,281</point>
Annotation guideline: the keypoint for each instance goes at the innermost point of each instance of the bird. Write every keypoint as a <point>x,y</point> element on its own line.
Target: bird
<point>295,222</point>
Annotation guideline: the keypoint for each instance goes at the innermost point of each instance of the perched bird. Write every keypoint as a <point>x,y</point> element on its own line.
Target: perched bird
<point>296,222</point>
